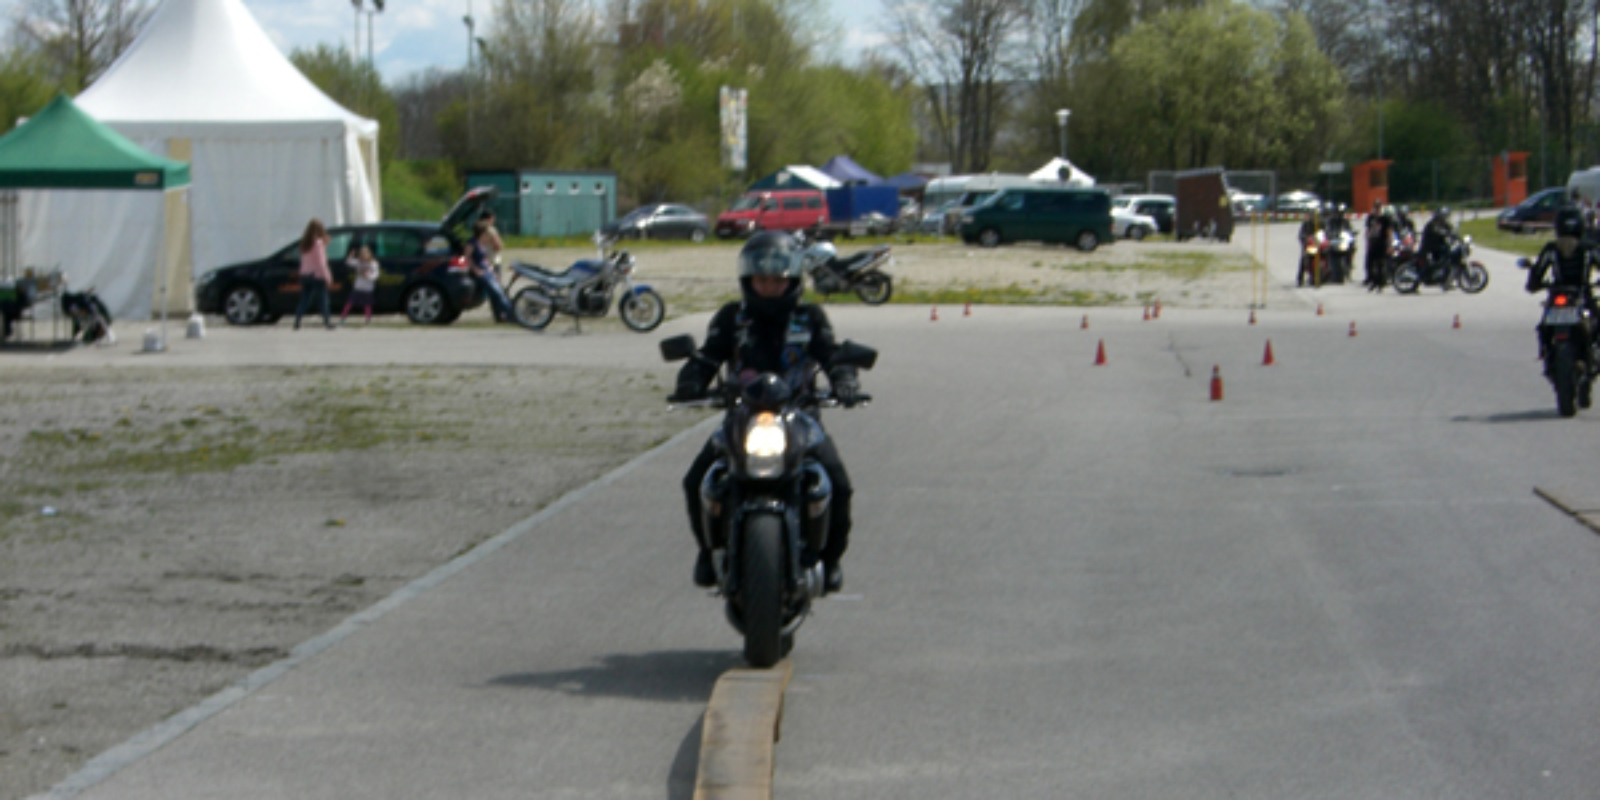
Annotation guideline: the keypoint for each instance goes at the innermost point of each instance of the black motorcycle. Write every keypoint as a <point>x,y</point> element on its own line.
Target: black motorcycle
<point>766,500</point>
<point>1568,345</point>
<point>860,273</point>
<point>1454,270</point>
<point>91,320</point>
<point>585,289</point>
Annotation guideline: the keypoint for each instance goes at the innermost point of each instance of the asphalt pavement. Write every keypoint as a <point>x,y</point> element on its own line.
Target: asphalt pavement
<point>1067,580</point>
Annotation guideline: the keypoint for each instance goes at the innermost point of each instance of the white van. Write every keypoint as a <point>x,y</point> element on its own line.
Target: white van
<point>1587,183</point>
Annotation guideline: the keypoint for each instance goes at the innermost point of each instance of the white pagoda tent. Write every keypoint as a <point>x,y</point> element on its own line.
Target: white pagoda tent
<point>267,151</point>
<point>1060,170</point>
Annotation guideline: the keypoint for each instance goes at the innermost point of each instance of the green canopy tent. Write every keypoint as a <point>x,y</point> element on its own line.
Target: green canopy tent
<point>62,147</point>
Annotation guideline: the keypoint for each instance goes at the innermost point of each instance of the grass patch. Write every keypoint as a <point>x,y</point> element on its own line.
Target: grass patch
<point>1484,232</point>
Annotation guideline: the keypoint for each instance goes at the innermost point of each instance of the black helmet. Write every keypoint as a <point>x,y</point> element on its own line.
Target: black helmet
<point>1569,222</point>
<point>770,253</point>
<point>777,254</point>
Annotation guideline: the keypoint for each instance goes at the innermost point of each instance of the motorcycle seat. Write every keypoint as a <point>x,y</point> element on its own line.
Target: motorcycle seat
<point>857,261</point>
<point>580,271</point>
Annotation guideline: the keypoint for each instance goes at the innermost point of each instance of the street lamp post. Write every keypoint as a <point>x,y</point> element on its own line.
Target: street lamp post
<point>1061,121</point>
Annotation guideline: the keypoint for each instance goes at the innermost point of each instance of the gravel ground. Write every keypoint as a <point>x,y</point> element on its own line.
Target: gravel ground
<point>164,531</point>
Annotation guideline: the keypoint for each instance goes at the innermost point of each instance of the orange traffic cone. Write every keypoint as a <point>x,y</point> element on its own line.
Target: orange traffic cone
<point>1266,359</point>
<point>1146,313</point>
<point>967,312</point>
<point>1083,326</point>
<point>1252,316</point>
<point>1216,383</point>
<point>1100,354</point>
<point>1352,329</point>
<point>1319,309</point>
<point>935,317</point>
<point>1457,323</point>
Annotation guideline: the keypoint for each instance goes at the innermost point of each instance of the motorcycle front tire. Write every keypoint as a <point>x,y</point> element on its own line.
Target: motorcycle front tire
<point>875,289</point>
<point>1407,278</point>
<point>761,588</point>
<point>532,310</point>
<point>642,311</point>
<point>1473,278</point>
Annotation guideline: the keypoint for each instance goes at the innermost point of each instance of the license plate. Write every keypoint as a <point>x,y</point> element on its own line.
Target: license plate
<point>1561,316</point>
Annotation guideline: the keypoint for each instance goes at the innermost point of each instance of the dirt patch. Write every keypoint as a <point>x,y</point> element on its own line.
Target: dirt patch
<point>165,532</point>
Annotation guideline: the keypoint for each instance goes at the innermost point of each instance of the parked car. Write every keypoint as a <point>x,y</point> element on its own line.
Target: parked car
<point>1159,206</point>
<point>1538,211</point>
<point>782,210</point>
<point>660,221</point>
<point>1297,202</point>
<point>422,272</point>
<point>934,221</point>
<point>1126,224</point>
<point>1081,217</point>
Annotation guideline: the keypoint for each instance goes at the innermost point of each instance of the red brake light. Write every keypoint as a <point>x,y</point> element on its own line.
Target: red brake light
<point>1561,300</point>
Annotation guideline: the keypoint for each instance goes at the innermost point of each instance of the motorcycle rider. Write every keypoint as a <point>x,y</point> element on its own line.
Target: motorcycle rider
<point>1308,231</point>
<point>1436,238</point>
<point>1568,262</point>
<point>770,330</point>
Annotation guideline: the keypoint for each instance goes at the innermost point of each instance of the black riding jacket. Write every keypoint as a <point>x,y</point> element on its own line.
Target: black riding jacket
<point>1574,271</point>
<point>791,348</point>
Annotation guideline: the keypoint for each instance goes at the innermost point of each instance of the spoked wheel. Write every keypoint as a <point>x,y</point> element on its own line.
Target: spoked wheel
<point>1407,279</point>
<point>642,310</point>
<point>761,591</point>
<point>532,310</point>
<point>989,237</point>
<point>425,305</point>
<point>1473,277</point>
<point>875,289</point>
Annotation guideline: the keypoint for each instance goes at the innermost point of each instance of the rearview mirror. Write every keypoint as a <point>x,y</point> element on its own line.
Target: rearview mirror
<point>677,348</point>
<point>851,354</point>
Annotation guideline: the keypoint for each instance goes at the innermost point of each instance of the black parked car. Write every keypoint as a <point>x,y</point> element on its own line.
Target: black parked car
<point>423,273</point>
<point>660,221</point>
<point>1538,211</point>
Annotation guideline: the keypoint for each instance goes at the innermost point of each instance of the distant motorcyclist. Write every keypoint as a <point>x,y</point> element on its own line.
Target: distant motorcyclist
<point>1436,238</point>
<point>1309,264</point>
<point>770,331</point>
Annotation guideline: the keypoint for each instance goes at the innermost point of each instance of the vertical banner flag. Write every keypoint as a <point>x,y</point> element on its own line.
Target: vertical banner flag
<point>733,128</point>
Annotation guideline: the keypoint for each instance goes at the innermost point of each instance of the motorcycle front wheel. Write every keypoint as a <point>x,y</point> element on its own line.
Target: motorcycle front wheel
<point>532,310</point>
<point>642,310</point>
<point>1407,279</point>
<point>875,289</point>
<point>1473,277</point>
<point>761,589</point>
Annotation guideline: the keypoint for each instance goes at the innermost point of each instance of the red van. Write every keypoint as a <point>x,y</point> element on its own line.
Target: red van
<point>782,210</point>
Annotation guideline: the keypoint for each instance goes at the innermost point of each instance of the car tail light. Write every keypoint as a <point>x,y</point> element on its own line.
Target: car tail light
<point>458,264</point>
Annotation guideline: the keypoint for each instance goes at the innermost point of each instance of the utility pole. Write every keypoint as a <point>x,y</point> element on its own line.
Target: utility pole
<point>472,78</point>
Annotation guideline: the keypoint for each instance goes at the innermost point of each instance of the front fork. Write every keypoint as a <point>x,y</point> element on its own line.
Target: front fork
<point>723,511</point>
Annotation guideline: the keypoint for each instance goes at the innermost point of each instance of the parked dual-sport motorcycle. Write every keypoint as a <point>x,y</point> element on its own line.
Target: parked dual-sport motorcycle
<point>766,499</point>
<point>860,273</point>
<point>1454,270</point>
<point>1569,346</point>
<point>585,289</point>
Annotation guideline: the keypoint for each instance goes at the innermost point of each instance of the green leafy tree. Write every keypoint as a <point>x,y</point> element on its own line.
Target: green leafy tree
<point>25,87</point>
<point>356,86</point>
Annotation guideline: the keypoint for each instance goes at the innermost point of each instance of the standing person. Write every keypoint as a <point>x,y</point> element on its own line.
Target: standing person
<point>1380,230</point>
<point>484,238</point>
<point>365,268</point>
<point>314,273</point>
<point>492,243</point>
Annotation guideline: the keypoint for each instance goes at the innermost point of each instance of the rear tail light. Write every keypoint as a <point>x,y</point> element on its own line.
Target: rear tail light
<point>457,264</point>
<point>1561,300</point>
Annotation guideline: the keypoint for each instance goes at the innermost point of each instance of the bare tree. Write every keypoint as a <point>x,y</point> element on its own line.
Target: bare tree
<point>80,38</point>
<point>964,52</point>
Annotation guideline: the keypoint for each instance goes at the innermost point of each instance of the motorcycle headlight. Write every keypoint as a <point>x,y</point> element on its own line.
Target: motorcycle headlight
<point>764,445</point>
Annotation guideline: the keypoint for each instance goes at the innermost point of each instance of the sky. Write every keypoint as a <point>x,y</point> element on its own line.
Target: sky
<point>412,35</point>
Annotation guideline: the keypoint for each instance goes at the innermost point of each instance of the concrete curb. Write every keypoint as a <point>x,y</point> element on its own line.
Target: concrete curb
<point>741,728</point>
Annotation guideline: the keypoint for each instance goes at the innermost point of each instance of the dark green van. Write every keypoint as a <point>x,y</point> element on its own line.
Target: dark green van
<point>1081,217</point>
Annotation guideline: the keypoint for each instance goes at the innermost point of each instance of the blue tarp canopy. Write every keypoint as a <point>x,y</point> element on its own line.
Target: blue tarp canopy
<point>844,170</point>
<point>906,180</point>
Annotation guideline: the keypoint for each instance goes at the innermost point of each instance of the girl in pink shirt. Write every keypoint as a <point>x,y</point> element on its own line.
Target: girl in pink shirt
<point>314,273</point>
